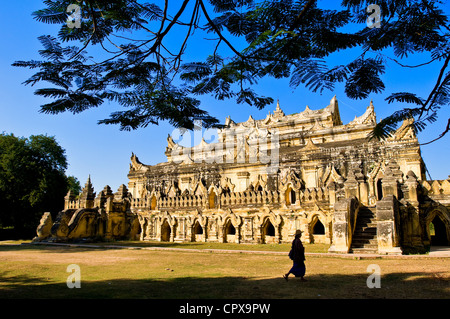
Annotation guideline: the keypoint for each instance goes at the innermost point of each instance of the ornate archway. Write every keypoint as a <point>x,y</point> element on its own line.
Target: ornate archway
<point>438,232</point>
<point>166,231</point>
<point>437,226</point>
<point>290,195</point>
<point>269,224</point>
<point>268,232</point>
<point>198,229</point>
<point>231,228</point>
<point>318,228</point>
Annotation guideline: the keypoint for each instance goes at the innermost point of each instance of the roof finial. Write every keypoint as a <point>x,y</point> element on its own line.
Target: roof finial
<point>278,111</point>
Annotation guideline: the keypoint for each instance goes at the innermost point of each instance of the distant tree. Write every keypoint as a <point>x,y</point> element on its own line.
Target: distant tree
<point>32,180</point>
<point>73,184</point>
<point>141,70</point>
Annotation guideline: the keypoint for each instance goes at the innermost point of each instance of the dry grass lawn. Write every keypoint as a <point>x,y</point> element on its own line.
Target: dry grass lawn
<point>28,271</point>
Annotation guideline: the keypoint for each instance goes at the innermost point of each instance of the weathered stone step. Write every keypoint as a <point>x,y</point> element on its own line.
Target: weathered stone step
<point>366,212</point>
<point>362,217</point>
<point>365,229</point>
<point>364,250</point>
<point>364,244</point>
<point>369,247</point>
<point>364,238</point>
<point>364,234</point>
<point>365,226</point>
<point>367,220</point>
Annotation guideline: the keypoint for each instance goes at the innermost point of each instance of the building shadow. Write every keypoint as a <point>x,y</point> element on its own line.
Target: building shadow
<point>393,286</point>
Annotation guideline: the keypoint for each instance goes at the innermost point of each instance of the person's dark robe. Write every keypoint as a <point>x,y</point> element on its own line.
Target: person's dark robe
<point>298,269</point>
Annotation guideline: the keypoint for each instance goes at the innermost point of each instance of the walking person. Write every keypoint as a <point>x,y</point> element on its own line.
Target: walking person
<point>297,254</point>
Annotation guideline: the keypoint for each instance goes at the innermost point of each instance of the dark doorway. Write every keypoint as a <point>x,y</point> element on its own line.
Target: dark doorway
<point>293,197</point>
<point>318,229</point>
<point>165,231</point>
<point>438,232</point>
<point>290,196</point>
<point>268,229</point>
<point>230,230</point>
<point>379,190</point>
<point>198,229</point>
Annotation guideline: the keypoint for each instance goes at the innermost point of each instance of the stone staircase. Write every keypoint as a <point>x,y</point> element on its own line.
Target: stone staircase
<point>364,239</point>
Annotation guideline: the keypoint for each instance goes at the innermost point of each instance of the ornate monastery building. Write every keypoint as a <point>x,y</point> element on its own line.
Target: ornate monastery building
<point>261,180</point>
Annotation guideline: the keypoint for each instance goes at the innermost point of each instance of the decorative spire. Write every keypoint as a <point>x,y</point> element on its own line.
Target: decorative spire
<point>87,195</point>
<point>334,108</point>
<point>278,111</point>
<point>88,188</point>
<point>310,145</point>
<point>170,142</point>
<point>333,100</point>
<point>121,193</point>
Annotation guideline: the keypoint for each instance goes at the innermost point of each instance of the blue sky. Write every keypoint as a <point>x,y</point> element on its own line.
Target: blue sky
<point>104,151</point>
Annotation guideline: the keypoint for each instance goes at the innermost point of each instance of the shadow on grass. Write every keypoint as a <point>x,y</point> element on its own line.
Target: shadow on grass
<point>47,248</point>
<point>394,285</point>
<point>80,247</point>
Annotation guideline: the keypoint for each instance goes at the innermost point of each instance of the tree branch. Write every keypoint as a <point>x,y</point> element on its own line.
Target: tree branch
<point>432,95</point>
<point>447,129</point>
<point>218,31</point>
<point>410,66</point>
<point>300,16</point>
<point>183,45</point>
<point>435,15</point>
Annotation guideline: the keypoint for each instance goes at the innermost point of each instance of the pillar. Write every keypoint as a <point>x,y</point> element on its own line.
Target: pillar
<point>388,226</point>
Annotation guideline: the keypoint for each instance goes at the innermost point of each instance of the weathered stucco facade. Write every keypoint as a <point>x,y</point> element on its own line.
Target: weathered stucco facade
<point>261,180</point>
